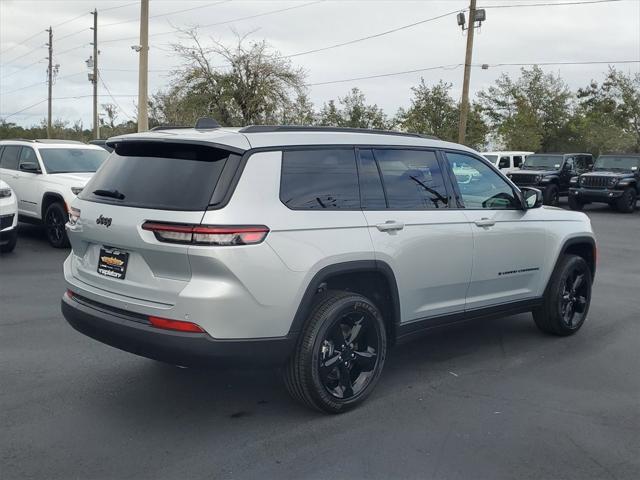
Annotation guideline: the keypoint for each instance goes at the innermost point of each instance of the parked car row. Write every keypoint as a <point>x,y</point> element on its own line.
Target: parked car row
<point>45,176</point>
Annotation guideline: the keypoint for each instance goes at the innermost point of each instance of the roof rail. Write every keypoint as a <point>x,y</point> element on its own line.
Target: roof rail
<point>167,127</point>
<point>17,140</point>
<point>53,140</point>
<point>296,128</point>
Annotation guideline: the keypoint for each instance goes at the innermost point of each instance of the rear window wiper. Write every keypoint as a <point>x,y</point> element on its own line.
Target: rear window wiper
<point>109,193</point>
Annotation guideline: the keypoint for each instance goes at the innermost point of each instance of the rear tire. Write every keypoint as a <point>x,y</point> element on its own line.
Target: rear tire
<point>340,353</point>
<point>566,299</point>
<point>627,202</point>
<point>12,237</point>
<point>551,196</point>
<point>575,203</point>
<point>55,219</point>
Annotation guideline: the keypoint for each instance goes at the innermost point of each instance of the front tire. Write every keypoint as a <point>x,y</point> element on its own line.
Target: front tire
<point>12,239</point>
<point>574,203</point>
<point>55,219</point>
<point>551,196</point>
<point>567,298</point>
<point>340,353</point>
<point>627,202</point>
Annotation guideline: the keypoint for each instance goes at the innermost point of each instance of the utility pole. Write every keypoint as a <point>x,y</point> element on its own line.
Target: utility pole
<point>143,67</point>
<point>474,16</point>
<point>96,120</point>
<point>50,80</point>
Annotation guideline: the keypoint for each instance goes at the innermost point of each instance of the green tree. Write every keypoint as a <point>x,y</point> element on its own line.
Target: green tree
<point>536,102</point>
<point>353,112</point>
<point>255,85</point>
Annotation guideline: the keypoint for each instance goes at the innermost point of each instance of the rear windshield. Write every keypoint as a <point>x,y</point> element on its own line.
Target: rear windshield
<point>68,160</point>
<point>156,175</point>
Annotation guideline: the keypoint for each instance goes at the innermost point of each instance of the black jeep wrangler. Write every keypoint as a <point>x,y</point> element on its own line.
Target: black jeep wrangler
<point>615,180</point>
<point>551,173</point>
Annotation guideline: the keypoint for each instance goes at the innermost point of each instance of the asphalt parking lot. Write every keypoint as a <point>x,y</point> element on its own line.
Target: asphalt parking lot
<point>489,400</point>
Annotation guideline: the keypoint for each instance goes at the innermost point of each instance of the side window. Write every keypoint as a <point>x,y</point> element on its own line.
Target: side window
<point>568,164</point>
<point>28,155</point>
<point>504,162</point>
<point>583,164</point>
<point>480,186</point>
<point>319,179</point>
<point>9,158</point>
<point>517,161</point>
<point>371,192</point>
<point>412,179</point>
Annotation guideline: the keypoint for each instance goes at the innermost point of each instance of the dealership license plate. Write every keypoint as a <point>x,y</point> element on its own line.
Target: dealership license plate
<point>113,263</point>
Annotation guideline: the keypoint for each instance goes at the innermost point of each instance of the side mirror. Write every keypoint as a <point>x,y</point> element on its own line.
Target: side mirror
<point>30,167</point>
<point>531,197</point>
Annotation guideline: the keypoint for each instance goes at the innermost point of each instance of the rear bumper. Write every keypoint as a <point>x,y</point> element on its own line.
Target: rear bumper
<point>132,334</point>
<point>595,195</point>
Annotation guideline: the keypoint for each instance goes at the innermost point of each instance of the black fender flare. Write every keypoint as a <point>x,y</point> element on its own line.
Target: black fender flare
<point>356,266</point>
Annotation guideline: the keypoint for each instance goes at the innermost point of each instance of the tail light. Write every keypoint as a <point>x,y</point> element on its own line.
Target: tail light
<point>74,215</point>
<point>207,234</point>
<point>176,325</point>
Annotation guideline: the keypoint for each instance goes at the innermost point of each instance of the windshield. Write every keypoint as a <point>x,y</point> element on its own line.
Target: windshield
<point>613,162</point>
<point>491,158</point>
<point>544,162</point>
<point>68,160</point>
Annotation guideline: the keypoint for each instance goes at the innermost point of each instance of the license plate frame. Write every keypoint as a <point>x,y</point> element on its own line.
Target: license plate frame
<point>112,263</point>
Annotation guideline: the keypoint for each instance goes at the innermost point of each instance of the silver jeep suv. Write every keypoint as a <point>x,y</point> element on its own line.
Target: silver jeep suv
<point>314,249</point>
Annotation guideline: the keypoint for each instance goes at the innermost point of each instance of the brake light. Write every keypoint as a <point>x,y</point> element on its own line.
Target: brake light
<point>177,325</point>
<point>207,234</point>
<point>74,215</point>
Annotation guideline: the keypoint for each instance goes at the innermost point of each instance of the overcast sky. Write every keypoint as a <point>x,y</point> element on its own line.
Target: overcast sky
<point>525,34</point>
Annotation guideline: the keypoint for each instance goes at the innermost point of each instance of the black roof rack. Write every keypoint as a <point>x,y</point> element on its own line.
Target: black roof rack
<point>53,140</point>
<point>206,123</point>
<point>295,128</point>
<point>17,140</point>
<point>167,127</point>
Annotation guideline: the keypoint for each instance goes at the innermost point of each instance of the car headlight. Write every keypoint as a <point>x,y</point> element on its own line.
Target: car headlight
<point>581,180</point>
<point>5,192</point>
<point>539,178</point>
<point>573,180</point>
<point>76,190</point>
<point>613,182</point>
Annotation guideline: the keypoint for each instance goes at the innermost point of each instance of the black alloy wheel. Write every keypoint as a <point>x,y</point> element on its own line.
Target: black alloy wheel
<point>340,353</point>
<point>55,219</point>
<point>567,297</point>
<point>349,354</point>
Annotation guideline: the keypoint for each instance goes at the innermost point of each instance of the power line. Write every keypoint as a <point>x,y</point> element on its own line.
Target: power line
<point>22,88</point>
<point>167,13</point>
<point>118,6</point>
<point>173,32</point>
<point>131,117</point>
<point>24,109</point>
<point>552,4</point>
<point>454,66</point>
<point>375,35</point>
<point>22,42</point>
<point>22,68</point>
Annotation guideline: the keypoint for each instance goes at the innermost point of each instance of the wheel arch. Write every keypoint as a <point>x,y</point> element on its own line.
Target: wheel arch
<point>47,199</point>
<point>582,246</point>
<point>371,278</point>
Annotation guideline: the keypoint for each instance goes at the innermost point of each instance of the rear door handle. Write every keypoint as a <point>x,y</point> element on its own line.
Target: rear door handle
<point>485,222</point>
<point>390,225</point>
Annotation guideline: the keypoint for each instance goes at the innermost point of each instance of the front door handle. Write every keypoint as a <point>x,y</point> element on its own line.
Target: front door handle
<point>390,225</point>
<point>485,222</point>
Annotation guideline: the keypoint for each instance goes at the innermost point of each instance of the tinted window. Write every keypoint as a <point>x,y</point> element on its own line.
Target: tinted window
<point>504,162</point>
<point>63,160</point>
<point>158,175</point>
<point>28,155</point>
<point>371,192</point>
<point>412,179</point>
<point>319,179</point>
<point>479,185</point>
<point>517,161</point>
<point>10,157</point>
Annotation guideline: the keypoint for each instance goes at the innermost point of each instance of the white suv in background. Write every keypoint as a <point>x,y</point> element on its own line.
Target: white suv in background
<point>46,175</point>
<point>313,248</point>
<point>506,161</point>
<point>8,218</point>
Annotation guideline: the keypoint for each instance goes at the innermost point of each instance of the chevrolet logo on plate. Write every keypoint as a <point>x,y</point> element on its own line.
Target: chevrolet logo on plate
<point>112,261</point>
